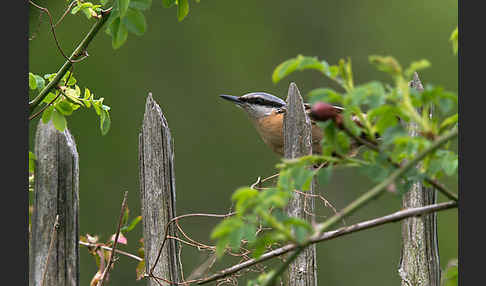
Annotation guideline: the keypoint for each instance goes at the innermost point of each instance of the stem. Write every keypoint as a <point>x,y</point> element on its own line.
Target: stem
<point>374,146</point>
<point>380,188</point>
<point>115,242</point>
<point>65,67</point>
<point>110,249</point>
<point>393,217</point>
<point>373,193</point>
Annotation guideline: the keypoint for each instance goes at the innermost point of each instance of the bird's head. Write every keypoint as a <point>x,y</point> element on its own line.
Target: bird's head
<point>257,104</point>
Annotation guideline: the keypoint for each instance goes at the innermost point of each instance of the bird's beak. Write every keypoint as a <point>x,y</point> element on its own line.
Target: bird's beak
<point>234,99</point>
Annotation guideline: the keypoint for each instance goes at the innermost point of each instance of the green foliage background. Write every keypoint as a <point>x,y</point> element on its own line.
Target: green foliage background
<point>233,47</point>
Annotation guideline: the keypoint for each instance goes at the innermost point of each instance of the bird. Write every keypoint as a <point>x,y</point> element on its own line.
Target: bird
<point>266,112</point>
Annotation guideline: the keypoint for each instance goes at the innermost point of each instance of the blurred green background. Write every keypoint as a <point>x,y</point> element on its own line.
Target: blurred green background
<point>232,47</point>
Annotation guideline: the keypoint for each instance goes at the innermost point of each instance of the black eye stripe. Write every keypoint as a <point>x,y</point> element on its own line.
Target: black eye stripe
<point>261,101</point>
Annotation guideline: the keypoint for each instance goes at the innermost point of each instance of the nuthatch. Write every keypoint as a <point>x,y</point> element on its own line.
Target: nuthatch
<point>266,111</point>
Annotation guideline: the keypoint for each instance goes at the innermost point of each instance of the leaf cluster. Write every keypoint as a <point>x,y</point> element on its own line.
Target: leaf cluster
<point>261,221</point>
<point>377,113</point>
<point>64,100</point>
<point>127,16</point>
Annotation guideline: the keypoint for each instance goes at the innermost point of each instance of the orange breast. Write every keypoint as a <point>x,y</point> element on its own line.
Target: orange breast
<point>270,129</point>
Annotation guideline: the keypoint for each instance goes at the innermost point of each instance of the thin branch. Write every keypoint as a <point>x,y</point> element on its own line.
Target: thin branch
<point>80,50</point>
<point>51,245</point>
<point>375,147</point>
<point>65,13</point>
<point>380,188</point>
<point>44,107</point>
<point>57,96</point>
<point>394,217</point>
<point>115,242</point>
<point>110,249</point>
<point>176,219</point>
<point>375,191</point>
<point>53,30</point>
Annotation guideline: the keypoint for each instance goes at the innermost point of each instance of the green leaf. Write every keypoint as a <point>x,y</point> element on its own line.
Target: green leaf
<point>135,22</point>
<point>40,82</point>
<point>285,181</point>
<point>119,34</point>
<point>384,116</point>
<point>59,121</point>
<point>302,177</point>
<point>64,108</point>
<point>32,81</point>
<point>123,5</point>
<point>454,40</point>
<point>31,162</point>
<point>47,114</point>
<point>72,79</point>
<point>451,120</point>
<point>76,9</point>
<point>243,197</point>
<point>132,224</point>
<point>168,3</point>
<point>350,125</point>
<point>284,69</point>
<point>140,270</point>
<point>386,64</point>
<point>182,9</point>
<point>324,175</point>
<point>416,66</point>
<point>451,274</point>
<point>140,4</point>
<point>325,95</point>
<point>249,232</point>
<point>105,122</point>
<point>225,227</point>
<point>299,63</point>
<point>234,239</point>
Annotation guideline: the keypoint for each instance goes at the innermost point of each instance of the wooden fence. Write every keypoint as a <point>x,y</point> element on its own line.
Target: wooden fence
<point>54,243</point>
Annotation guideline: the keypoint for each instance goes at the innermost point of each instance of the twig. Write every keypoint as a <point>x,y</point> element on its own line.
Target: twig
<point>333,234</point>
<point>115,242</point>
<point>57,96</point>
<point>375,191</point>
<point>65,67</point>
<point>44,107</point>
<point>375,147</point>
<point>110,249</point>
<point>51,245</point>
<point>378,189</point>
<point>176,219</point>
<point>65,13</point>
<point>45,10</point>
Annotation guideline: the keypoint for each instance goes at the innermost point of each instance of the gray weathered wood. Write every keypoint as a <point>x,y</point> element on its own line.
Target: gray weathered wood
<point>157,192</point>
<point>298,142</point>
<point>56,193</point>
<point>419,262</point>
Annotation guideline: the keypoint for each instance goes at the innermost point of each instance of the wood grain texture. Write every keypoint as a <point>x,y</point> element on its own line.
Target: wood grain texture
<point>157,192</point>
<point>419,261</point>
<point>298,142</point>
<point>56,193</point>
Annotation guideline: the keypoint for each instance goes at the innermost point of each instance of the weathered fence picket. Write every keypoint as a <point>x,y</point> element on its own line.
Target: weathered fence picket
<point>157,193</point>
<point>56,194</point>
<point>298,142</point>
<point>419,261</point>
